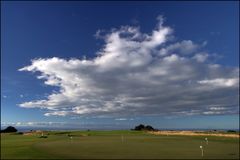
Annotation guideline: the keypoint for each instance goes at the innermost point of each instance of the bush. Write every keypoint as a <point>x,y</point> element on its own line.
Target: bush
<point>231,131</point>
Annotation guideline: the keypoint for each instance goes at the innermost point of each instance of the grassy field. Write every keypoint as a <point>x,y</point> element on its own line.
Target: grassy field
<point>115,145</point>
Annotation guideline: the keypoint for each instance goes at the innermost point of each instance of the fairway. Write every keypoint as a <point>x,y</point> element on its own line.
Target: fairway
<point>116,145</point>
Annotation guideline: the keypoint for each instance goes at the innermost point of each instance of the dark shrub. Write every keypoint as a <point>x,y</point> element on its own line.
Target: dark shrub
<point>231,131</point>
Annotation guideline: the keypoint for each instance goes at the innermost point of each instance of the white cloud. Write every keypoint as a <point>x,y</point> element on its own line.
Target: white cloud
<point>83,124</point>
<point>185,47</point>
<point>33,124</point>
<point>212,112</point>
<point>121,119</point>
<point>221,82</point>
<point>217,108</point>
<point>138,74</point>
<point>201,57</point>
<point>57,113</point>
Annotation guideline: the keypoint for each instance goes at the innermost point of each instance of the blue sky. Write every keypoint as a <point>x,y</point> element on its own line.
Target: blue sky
<point>65,30</point>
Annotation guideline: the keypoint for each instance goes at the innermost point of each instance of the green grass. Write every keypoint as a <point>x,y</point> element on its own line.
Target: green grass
<point>109,144</point>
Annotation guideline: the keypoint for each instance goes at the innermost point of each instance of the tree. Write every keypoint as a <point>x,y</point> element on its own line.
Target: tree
<point>9,129</point>
<point>142,127</point>
<point>149,128</point>
<point>139,127</point>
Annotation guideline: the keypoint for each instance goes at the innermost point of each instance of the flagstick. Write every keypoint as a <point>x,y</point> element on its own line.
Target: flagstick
<point>201,150</point>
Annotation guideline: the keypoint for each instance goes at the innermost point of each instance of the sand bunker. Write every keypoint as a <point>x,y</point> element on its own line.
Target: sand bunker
<point>193,133</point>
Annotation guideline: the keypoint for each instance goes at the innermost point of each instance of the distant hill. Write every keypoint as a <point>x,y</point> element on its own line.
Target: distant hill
<point>9,129</point>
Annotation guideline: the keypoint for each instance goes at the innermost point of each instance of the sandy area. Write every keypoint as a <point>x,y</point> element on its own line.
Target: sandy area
<point>193,133</point>
<point>37,132</point>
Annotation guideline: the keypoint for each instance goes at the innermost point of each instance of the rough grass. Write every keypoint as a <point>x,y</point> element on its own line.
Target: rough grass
<point>194,133</point>
<point>116,145</point>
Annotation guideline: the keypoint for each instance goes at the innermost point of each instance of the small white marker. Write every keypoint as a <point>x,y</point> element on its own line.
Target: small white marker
<point>206,140</point>
<point>201,147</point>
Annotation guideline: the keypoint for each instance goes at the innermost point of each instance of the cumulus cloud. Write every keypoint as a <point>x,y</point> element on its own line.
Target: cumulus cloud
<point>185,47</point>
<point>138,74</point>
<point>201,57</point>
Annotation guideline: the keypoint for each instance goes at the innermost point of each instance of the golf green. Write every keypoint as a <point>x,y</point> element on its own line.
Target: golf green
<point>116,145</point>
